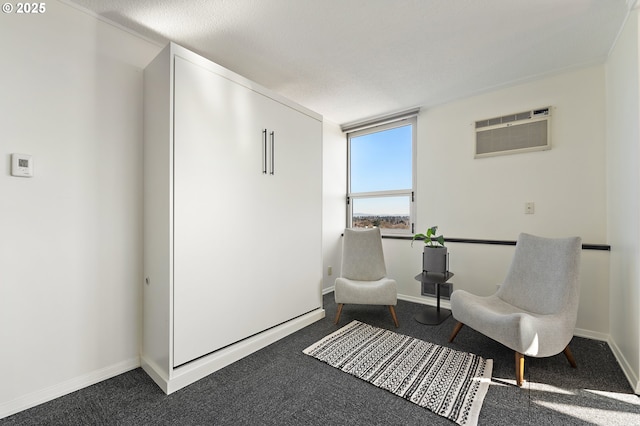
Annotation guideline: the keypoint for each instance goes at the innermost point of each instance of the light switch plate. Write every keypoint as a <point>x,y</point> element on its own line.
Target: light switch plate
<point>21,165</point>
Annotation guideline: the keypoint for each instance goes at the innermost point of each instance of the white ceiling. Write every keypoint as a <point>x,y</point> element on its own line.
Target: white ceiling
<point>356,59</point>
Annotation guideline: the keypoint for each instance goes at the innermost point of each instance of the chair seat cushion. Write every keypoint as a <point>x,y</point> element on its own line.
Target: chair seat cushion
<point>380,292</point>
<point>525,332</point>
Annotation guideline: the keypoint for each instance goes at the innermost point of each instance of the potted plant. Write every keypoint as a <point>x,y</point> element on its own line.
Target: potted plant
<point>434,257</point>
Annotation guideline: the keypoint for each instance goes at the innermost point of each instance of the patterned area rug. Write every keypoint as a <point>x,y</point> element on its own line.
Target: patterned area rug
<point>450,383</point>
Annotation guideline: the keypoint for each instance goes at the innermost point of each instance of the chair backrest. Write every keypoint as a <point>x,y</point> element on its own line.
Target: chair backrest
<point>362,256</point>
<point>543,275</point>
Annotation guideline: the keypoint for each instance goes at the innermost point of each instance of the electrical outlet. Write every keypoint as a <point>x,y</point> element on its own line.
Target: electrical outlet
<point>329,270</point>
<point>529,208</point>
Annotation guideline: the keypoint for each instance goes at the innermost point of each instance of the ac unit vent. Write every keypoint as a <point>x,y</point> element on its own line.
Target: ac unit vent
<point>514,133</point>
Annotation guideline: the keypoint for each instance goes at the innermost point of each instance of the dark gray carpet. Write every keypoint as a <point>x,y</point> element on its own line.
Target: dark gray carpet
<point>279,385</point>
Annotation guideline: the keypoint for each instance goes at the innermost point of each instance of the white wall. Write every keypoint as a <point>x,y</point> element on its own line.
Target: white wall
<point>484,198</point>
<point>623,139</point>
<point>334,189</point>
<point>71,246</point>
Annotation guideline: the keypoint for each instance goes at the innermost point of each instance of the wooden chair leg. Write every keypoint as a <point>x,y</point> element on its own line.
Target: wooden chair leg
<point>340,305</point>
<point>455,332</point>
<point>519,369</point>
<point>393,315</point>
<point>570,358</point>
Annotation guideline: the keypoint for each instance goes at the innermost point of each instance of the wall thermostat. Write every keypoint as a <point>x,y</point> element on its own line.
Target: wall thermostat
<point>21,165</point>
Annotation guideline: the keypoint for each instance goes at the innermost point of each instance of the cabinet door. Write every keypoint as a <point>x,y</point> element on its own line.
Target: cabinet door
<point>240,265</point>
<point>294,201</point>
<point>217,161</point>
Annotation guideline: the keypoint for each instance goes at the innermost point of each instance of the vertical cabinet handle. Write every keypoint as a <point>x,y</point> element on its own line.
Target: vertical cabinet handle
<point>264,151</point>
<point>273,152</point>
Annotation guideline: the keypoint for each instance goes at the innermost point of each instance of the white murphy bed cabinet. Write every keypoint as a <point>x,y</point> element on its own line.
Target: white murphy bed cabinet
<point>232,218</point>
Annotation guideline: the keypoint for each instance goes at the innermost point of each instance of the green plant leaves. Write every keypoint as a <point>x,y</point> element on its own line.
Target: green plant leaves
<point>429,238</point>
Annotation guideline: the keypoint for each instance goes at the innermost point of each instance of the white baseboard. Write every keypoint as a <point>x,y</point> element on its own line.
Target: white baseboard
<point>44,395</point>
<point>429,301</point>
<point>593,335</point>
<point>632,377</point>
<point>196,370</point>
<point>155,372</point>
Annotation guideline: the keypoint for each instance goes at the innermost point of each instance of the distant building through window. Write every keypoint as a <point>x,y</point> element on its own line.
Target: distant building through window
<point>381,176</point>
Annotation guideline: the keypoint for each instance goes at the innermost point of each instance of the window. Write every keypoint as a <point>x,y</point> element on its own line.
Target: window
<point>381,177</point>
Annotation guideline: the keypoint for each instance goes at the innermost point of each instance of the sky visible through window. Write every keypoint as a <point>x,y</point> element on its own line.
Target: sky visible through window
<point>381,161</point>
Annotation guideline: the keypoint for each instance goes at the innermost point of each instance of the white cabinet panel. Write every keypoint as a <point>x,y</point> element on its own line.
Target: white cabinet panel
<point>247,252</point>
<point>213,165</point>
<point>294,192</point>
<point>232,255</point>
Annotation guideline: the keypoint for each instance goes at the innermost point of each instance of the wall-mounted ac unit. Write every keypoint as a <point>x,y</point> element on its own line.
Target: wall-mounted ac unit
<point>514,133</point>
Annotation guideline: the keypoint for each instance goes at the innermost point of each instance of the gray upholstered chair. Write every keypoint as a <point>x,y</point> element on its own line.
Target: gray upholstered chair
<point>364,276</point>
<point>534,311</point>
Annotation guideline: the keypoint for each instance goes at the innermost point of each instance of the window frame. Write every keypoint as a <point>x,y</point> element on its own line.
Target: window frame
<point>410,192</point>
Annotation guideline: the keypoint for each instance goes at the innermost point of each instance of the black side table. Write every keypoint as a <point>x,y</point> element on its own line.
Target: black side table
<point>433,315</point>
